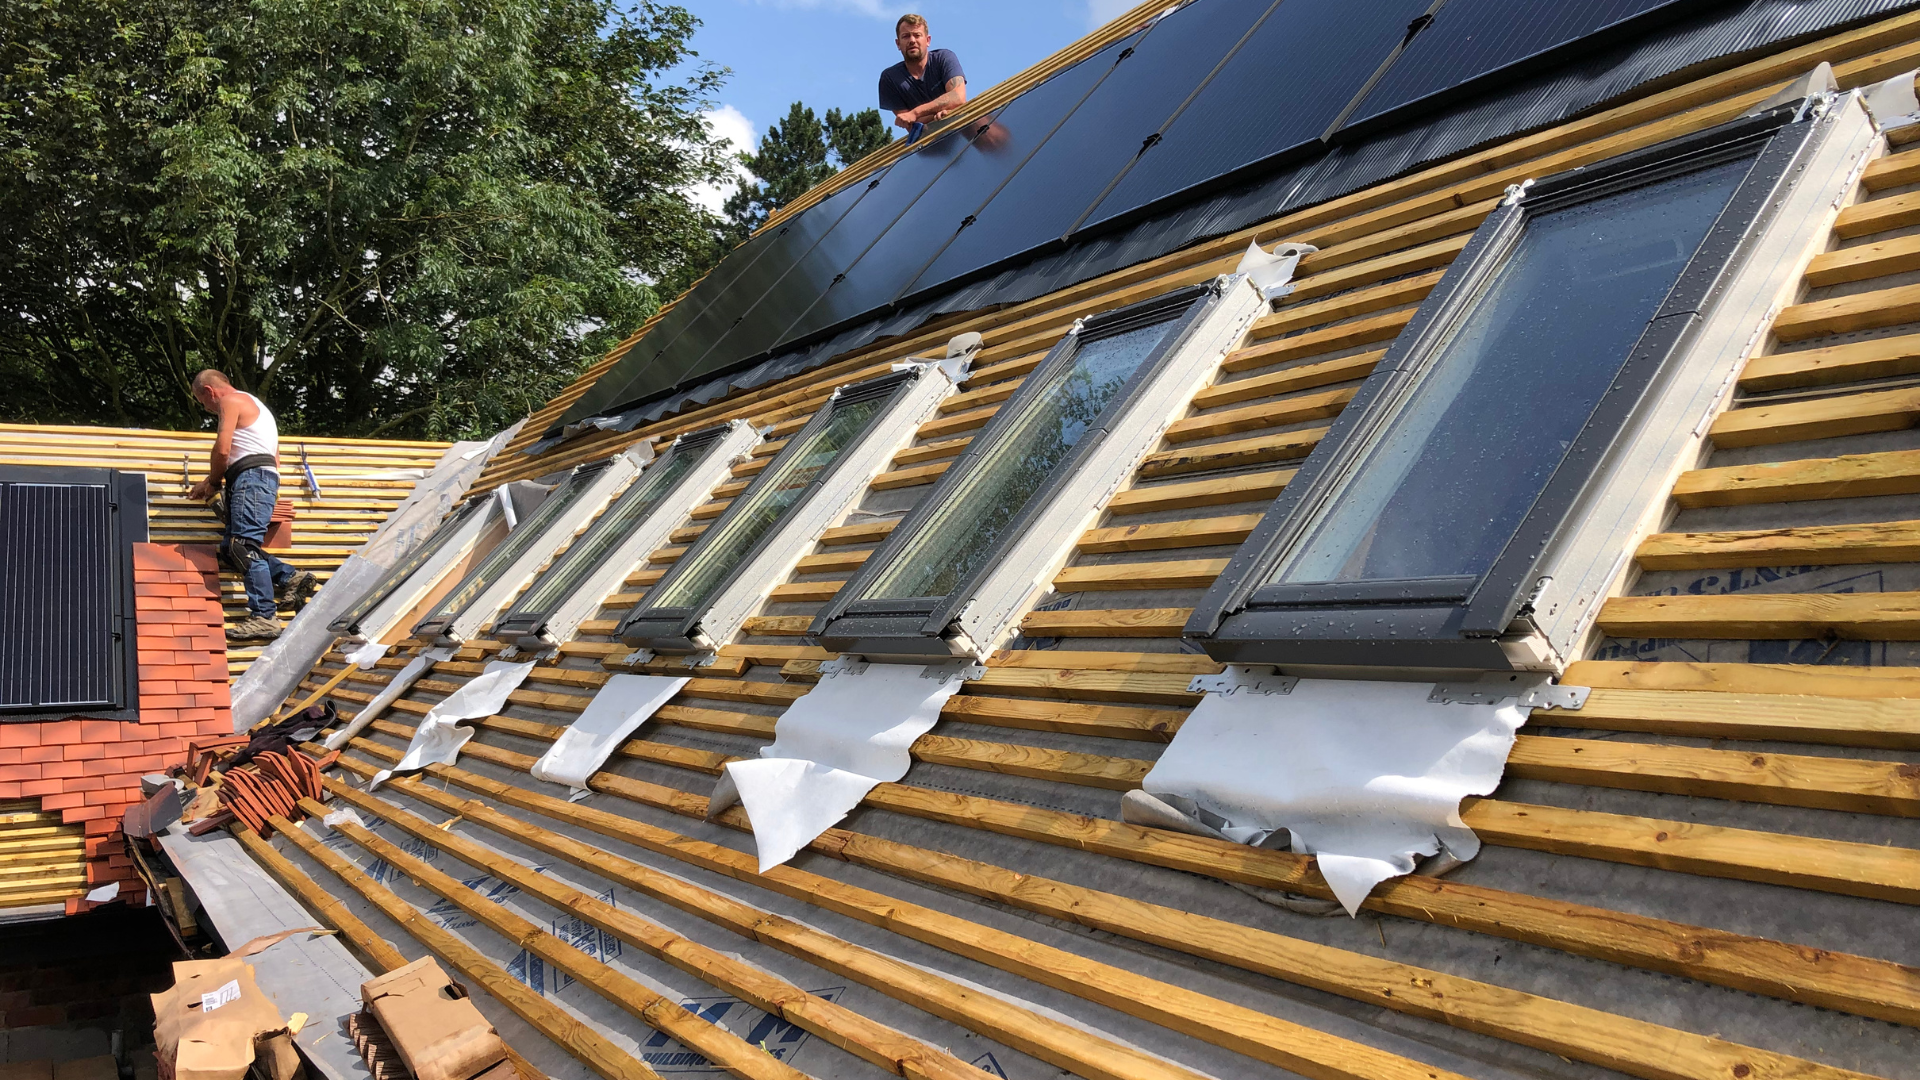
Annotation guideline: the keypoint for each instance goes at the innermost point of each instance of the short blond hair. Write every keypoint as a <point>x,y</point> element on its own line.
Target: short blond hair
<point>909,19</point>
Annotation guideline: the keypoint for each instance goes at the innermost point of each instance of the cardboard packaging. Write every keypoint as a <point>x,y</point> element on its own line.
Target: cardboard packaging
<point>432,1023</point>
<point>215,1024</point>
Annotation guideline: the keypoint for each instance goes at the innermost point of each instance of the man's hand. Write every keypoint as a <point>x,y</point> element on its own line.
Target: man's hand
<point>201,491</point>
<point>906,119</point>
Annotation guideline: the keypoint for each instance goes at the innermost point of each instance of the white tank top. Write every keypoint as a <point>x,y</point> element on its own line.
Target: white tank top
<point>260,437</point>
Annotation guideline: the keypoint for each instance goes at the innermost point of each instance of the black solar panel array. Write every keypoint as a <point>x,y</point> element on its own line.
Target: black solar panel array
<point>65,574</point>
<point>1210,98</point>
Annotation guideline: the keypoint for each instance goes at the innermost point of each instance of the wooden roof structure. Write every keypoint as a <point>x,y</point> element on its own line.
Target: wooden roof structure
<point>361,481</point>
<point>1709,871</point>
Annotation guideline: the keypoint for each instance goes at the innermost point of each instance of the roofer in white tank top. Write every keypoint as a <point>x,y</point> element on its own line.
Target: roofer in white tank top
<point>245,460</point>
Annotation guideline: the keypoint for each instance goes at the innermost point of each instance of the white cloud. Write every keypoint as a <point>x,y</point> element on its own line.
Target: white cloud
<point>726,122</point>
<point>1102,12</point>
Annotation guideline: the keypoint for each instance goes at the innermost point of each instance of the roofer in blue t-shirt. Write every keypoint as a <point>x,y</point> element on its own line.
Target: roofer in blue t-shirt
<point>927,84</point>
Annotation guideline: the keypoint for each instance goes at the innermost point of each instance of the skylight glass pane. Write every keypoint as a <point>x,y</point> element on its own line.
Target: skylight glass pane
<point>767,502</point>
<point>409,564</point>
<point>1448,482</point>
<point>957,540</point>
<point>517,543</point>
<point>611,530</point>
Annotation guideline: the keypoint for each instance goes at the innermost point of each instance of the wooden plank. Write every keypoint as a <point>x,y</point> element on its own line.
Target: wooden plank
<point>1184,574</point>
<point>1831,545</point>
<point>804,592</point>
<point>1852,476</point>
<point>1878,215</point>
<point>639,1001</point>
<point>1239,453</point>
<point>375,951</point>
<point>1013,759</point>
<point>1090,683</point>
<point>1846,314</point>
<point>1635,1047</point>
<point>1234,1027</point>
<point>1221,491</point>
<point>1891,170</point>
<point>1836,980</point>
<point>1277,413</point>
<point>1817,680</point>
<point>1893,616</point>
<point>931,451</point>
<point>582,1042</point>
<point>877,1043</point>
<point>1853,361</point>
<point>1898,255</point>
<point>958,422</point>
<point>1199,532</point>
<point>1347,335</point>
<point>914,476</point>
<point>868,532</point>
<point>1125,623</point>
<point>1886,723</point>
<point>831,562</point>
<point>1365,301</point>
<point>1289,380</point>
<point>1822,783</point>
<point>1826,418</point>
<point>777,625</point>
<point>1073,718</point>
<point>1870,870</point>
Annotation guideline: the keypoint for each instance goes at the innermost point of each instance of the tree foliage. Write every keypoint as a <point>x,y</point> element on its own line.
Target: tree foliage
<point>796,154</point>
<point>395,217</point>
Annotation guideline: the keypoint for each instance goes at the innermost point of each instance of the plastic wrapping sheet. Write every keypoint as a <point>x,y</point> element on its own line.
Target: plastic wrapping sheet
<point>831,747</point>
<point>615,713</point>
<point>286,660</point>
<point>1365,775</point>
<point>365,655</point>
<point>401,682</point>
<point>440,736</point>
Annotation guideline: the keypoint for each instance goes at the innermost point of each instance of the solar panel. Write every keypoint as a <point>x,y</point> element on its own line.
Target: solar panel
<point>1469,38</point>
<point>998,150</point>
<point>637,367</point>
<point>741,306</point>
<point>1072,169</point>
<point>1285,85</point>
<point>789,298</point>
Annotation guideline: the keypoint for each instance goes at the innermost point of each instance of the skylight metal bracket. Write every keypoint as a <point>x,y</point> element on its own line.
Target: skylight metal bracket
<point>1529,691</point>
<point>964,670</point>
<point>1260,679</point>
<point>637,657</point>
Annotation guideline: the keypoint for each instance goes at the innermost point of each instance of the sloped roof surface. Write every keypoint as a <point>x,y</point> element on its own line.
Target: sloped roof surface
<point>361,481</point>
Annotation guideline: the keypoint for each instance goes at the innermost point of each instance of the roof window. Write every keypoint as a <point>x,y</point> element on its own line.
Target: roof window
<point>1468,509</point>
<point>811,483</point>
<point>551,610</point>
<point>404,584</point>
<point>955,573</point>
<point>572,503</point>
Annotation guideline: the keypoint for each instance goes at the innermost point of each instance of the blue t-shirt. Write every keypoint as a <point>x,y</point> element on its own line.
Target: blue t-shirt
<point>900,91</point>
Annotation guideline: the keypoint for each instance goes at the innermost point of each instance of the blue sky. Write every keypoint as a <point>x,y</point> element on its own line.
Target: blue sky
<point>828,53</point>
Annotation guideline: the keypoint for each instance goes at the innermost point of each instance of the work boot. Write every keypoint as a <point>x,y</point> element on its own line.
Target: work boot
<point>294,593</point>
<point>254,628</point>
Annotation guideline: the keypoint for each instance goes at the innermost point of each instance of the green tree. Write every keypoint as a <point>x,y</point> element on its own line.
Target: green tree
<point>397,217</point>
<point>795,155</point>
<point>852,136</point>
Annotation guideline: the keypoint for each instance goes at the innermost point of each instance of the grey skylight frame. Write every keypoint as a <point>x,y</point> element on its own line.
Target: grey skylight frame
<point>716,450</point>
<point>1202,323</point>
<point>574,501</point>
<point>1487,621</point>
<point>909,396</point>
<point>126,525</point>
<point>415,573</point>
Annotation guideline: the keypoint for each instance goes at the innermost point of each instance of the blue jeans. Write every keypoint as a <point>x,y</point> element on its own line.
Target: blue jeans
<point>250,499</point>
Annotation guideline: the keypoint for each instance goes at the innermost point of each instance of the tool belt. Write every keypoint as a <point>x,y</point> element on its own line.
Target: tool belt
<point>222,502</point>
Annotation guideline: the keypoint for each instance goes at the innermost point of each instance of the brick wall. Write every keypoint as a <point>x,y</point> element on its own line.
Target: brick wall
<point>89,770</point>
